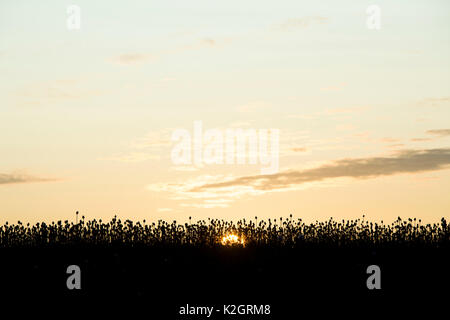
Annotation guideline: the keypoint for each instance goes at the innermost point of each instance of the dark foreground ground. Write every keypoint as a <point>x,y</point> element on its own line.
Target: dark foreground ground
<point>162,280</point>
<point>280,269</point>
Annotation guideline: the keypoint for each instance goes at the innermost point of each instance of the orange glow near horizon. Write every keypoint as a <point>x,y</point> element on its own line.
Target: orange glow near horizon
<point>232,239</point>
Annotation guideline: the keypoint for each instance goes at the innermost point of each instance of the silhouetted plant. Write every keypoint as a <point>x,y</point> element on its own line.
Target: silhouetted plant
<point>286,233</point>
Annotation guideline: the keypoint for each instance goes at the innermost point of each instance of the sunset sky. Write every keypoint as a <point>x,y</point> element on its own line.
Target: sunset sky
<point>87,115</point>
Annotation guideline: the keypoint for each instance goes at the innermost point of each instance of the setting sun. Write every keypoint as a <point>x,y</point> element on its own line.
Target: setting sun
<point>232,239</point>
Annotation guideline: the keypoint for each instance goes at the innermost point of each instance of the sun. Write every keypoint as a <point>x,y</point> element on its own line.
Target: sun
<point>232,239</point>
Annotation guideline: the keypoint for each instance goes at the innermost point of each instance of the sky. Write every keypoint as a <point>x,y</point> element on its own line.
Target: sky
<point>89,110</point>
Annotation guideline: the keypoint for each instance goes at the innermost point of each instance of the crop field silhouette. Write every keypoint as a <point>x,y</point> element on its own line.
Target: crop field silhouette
<point>277,262</point>
<point>287,232</point>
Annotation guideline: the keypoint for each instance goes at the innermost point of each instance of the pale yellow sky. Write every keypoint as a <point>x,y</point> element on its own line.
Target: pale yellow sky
<point>87,115</point>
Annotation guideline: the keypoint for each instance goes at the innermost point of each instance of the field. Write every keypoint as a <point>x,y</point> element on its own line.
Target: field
<point>287,233</point>
<point>277,262</point>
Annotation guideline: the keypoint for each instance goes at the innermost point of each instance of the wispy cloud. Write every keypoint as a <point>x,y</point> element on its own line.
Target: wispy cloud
<point>138,58</point>
<point>439,132</point>
<point>16,177</point>
<point>337,111</point>
<point>303,22</point>
<point>299,149</point>
<point>253,106</point>
<point>191,168</point>
<point>56,91</point>
<point>396,145</point>
<point>181,191</point>
<point>337,87</point>
<point>133,157</point>
<point>329,113</point>
<point>219,191</point>
<point>436,134</point>
<point>302,116</point>
<point>209,204</point>
<point>408,161</point>
<point>435,102</point>
<point>209,42</point>
<point>132,58</point>
<point>389,140</point>
<point>152,146</point>
<point>153,139</point>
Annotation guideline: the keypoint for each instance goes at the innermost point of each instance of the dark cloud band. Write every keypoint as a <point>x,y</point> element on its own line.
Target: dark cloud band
<point>408,161</point>
<point>6,178</point>
<point>440,132</point>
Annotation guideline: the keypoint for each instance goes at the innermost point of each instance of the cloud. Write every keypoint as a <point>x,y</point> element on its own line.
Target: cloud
<point>56,91</point>
<point>180,191</point>
<point>302,116</point>
<point>10,178</point>
<point>137,58</point>
<point>299,149</point>
<point>439,132</point>
<point>184,168</point>
<point>396,145</point>
<point>208,42</point>
<point>149,147</point>
<point>329,112</point>
<point>209,204</point>
<point>389,140</point>
<point>219,191</point>
<point>153,139</point>
<point>168,79</point>
<point>199,44</point>
<point>435,102</point>
<point>336,111</point>
<point>408,161</point>
<point>301,22</point>
<point>345,127</point>
<point>253,106</point>
<point>132,58</point>
<point>338,87</point>
<point>133,157</point>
